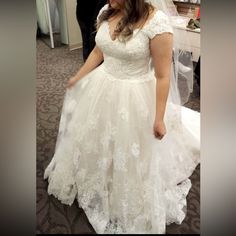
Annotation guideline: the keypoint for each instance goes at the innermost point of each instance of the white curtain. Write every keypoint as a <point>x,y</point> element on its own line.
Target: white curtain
<point>42,17</point>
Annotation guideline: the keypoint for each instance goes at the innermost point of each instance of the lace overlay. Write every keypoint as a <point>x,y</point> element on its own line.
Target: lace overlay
<point>106,156</point>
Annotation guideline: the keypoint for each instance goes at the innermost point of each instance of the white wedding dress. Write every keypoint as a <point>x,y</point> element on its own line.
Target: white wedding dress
<point>106,155</point>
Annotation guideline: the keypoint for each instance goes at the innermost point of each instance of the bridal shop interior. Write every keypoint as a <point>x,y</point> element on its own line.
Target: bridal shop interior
<point>59,56</point>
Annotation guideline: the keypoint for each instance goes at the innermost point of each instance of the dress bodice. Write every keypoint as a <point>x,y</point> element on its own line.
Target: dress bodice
<point>130,59</point>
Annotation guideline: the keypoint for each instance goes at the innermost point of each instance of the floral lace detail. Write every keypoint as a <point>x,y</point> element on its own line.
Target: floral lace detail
<point>105,140</point>
<point>80,134</point>
<point>109,96</point>
<point>135,150</point>
<point>76,159</point>
<point>104,163</point>
<point>90,147</point>
<point>124,114</point>
<point>91,93</point>
<point>159,24</point>
<point>107,135</point>
<point>177,205</point>
<point>120,160</point>
<point>92,122</point>
<point>144,114</point>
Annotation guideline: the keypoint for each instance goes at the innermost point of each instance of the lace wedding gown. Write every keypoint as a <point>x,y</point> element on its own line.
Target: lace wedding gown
<point>106,155</point>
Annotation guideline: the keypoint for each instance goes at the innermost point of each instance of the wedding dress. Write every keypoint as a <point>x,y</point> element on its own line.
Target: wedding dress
<point>106,155</point>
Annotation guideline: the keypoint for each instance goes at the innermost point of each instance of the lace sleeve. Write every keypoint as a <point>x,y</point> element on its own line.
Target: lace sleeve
<point>105,7</point>
<point>159,24</point>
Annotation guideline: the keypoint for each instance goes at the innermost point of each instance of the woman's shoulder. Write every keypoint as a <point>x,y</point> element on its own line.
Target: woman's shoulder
<point>158,22</point>
<point>105,7</point>
<point>156,15</point>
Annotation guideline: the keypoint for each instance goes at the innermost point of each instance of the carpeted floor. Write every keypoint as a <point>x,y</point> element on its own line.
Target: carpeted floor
<point>54,68</point>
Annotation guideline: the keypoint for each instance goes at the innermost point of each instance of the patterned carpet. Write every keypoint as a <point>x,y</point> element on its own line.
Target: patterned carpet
<point>54,67</point>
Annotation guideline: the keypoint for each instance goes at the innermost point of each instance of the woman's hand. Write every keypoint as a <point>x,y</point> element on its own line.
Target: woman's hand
<point>159,129</point>
<point>71,82</point>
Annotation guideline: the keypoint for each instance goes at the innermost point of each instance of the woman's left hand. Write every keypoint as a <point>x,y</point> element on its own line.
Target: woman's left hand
<point>159,129</point>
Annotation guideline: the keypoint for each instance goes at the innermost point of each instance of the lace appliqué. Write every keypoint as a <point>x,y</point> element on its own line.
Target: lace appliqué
<point>124,114</point>
<point>135,150</point>
<point>108,135</point>
<point>159,24</point>
<point>120,160</point>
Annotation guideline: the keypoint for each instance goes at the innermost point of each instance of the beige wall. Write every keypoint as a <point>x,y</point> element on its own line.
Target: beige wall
<point>74,33</point>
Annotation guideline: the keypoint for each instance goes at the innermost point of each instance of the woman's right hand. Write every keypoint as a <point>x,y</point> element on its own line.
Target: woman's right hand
<point>159,129</point>
<point>71,82</point>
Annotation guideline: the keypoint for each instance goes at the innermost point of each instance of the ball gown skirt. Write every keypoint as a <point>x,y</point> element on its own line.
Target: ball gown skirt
<point>107,158</point>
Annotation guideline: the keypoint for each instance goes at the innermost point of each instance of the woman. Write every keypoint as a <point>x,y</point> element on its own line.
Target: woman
<point>121,151</point>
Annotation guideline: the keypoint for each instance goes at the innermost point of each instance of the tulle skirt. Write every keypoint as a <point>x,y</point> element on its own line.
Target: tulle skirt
<point>107,158</point>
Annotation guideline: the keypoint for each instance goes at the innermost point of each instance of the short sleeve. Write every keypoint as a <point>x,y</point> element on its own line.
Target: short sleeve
<point>159,24</point>
<point>105,7</point>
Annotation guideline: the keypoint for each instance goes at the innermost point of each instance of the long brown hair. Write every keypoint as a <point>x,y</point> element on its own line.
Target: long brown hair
<point>134,12</point>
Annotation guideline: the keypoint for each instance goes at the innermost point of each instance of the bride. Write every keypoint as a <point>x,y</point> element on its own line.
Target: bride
<point>126,146</point>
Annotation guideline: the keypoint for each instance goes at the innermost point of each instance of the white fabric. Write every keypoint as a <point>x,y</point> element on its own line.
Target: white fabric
<point>183,72</point>
<point>42,17</point>
<point>106,155</point>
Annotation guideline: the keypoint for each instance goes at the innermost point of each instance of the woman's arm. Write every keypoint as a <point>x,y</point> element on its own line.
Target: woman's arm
<point>161,51</point>
<point>94,59</point>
